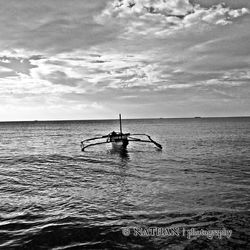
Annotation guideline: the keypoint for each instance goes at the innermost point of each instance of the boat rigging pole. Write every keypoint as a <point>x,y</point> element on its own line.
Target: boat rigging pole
<point>120,118</point>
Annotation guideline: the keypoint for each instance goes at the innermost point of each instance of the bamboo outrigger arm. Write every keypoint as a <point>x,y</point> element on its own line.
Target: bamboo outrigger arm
<point>93,144</point>
<point>140,140</point>
<point>95,138</point>
<point>129,138</point>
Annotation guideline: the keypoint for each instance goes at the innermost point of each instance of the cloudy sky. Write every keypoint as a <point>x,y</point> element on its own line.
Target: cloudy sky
<point>82,59</point>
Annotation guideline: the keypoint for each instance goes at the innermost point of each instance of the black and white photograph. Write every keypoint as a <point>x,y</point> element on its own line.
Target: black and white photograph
<point>124,124</point>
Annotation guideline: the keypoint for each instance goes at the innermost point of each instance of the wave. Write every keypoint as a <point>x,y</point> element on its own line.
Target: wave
<point>29,231</point>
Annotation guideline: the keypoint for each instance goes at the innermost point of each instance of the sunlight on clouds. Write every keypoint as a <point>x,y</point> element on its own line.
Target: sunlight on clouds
<point>114,69</point>
<point>19,111</point>
<point>79,72</point>
<point>23,84</point>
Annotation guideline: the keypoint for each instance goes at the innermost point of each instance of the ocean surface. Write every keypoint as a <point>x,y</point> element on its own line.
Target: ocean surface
<point>194,194</point>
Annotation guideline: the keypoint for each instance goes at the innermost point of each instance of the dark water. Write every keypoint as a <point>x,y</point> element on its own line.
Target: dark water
<point>53,196</point>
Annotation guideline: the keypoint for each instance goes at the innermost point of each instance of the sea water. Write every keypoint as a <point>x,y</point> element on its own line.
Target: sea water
<point>193,194</point>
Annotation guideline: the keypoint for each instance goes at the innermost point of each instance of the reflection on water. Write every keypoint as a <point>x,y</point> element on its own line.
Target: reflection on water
<point>122,153</point>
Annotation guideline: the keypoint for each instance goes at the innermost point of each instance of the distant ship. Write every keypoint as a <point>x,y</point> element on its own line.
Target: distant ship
<point>197,117</point>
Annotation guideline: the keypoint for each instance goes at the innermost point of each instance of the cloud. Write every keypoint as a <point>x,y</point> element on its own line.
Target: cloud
<point>51,26</point>
<point>16,64</point>
<point>160,17</point>
<point>122,56</point>
<point>59,77</point>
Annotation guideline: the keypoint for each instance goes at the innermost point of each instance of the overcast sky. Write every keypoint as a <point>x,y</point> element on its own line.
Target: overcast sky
<point>83,59</point>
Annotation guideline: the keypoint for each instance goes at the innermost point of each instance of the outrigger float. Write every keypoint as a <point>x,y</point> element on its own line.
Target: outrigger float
<point>118,140</point>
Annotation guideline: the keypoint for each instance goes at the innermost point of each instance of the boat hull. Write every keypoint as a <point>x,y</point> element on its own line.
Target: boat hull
<point>119,145</point>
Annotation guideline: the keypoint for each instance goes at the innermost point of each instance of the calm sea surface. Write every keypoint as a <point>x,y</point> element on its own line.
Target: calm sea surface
<point>53,196</point>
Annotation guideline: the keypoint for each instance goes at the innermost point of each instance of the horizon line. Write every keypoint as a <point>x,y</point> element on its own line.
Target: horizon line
<point>113,119</point>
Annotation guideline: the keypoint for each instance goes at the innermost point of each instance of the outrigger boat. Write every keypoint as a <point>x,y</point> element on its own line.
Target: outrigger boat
<point>118,140</point>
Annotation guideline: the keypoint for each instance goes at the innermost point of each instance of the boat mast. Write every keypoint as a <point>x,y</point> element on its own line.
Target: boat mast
<point>120,118</point>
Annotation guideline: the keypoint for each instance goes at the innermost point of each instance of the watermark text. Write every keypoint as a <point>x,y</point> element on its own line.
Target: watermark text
<point>178,231</point>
